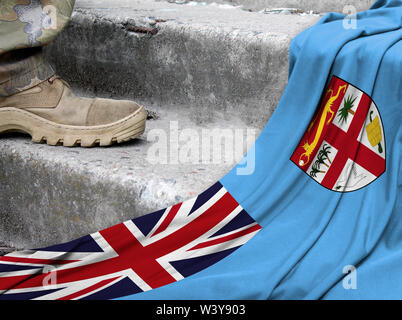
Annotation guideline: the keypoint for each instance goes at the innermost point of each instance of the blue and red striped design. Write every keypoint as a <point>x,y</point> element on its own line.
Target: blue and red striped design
<point>135,256</point>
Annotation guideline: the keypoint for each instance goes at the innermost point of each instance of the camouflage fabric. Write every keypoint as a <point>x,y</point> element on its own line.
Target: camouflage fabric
<point>25,27</point>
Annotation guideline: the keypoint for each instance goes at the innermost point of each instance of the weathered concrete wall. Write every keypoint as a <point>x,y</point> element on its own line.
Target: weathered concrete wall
<point>44,203</point>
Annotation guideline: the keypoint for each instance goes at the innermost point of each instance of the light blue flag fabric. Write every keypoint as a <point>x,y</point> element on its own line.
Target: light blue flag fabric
<point>312,236</point>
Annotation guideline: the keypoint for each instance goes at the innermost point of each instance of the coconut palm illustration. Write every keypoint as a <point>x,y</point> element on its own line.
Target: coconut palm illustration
<point>315,169</point>
<point>322,157</point>
<point>344,112</point>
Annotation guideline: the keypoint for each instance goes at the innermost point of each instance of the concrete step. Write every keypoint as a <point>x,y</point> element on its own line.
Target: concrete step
<point>319,6</point>
<point>196,69</point>
<point>50,195</point>
<point>5,249</point>
<point>207,57</point>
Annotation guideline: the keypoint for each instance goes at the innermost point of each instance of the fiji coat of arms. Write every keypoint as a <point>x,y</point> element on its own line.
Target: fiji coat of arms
<point>343,148</point>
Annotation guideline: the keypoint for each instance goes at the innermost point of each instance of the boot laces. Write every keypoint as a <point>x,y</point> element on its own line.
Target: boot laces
<point>55,77</point>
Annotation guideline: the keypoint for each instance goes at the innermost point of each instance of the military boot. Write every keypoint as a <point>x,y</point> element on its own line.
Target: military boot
<point>51,113</point>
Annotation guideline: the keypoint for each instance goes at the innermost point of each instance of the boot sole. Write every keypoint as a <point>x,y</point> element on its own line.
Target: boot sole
<point>42,130</point>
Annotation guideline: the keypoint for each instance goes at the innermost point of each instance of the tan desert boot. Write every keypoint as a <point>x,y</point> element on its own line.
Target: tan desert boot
<point>51,112</point>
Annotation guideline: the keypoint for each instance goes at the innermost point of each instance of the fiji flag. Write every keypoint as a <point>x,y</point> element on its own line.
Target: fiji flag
<point>324,198</point>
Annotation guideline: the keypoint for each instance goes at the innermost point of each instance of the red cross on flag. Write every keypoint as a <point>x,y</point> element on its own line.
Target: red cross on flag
<point>343,148</point>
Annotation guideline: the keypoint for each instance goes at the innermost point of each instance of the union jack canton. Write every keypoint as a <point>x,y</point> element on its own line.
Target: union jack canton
<point>135,256</point>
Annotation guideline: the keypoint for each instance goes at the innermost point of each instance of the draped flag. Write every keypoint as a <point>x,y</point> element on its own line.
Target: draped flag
<point>134,256</point>
<point>322,204</point>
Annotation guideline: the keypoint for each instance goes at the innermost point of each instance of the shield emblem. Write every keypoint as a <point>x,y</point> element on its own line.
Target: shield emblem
<point>343,148</point>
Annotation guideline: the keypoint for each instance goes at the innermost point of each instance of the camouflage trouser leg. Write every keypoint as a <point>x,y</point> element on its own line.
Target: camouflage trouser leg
<point>26,26</point>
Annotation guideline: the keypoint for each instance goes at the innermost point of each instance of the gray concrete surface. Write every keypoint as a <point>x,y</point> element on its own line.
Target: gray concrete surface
<point>208,58</point>
<point>321,6</point>
<point>205,67</point>
<point>50,195</point>
<point>4,250</point>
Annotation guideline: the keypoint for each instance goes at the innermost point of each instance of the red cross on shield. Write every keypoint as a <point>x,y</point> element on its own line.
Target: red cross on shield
<point>343,148</point>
